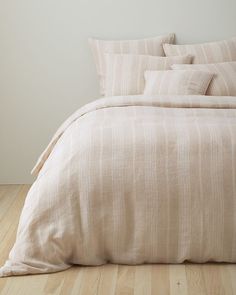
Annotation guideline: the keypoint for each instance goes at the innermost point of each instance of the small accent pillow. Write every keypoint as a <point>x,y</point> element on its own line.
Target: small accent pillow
<point>150,46</point>
<point>186,82</point>
<point>212,52</point>
<point>125,72</point>
<point>223,82</point>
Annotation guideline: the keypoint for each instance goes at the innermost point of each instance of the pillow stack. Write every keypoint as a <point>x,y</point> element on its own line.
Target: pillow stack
<point>125,73</point>
<point>150,46</point>
<point>129,67</point>
<point>224,77</point>
<point>218,58</point>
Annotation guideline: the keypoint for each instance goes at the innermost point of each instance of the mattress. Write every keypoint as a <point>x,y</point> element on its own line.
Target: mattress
<point>132,180</point>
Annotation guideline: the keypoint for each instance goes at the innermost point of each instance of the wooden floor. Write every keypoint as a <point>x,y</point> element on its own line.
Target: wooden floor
<point>211,279</point>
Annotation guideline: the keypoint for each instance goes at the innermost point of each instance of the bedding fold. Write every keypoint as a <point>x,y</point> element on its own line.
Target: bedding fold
<point>164,101</point>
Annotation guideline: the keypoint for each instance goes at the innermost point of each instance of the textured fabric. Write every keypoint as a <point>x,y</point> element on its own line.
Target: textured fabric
<point>177,82</point>
<point>150,46</point>
<point>223,81</point>
<point>125,72</point>
<point>133,180</point>
<point>212,52</point>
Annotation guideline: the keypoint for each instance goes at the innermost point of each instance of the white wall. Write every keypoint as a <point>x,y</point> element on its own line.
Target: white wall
<point>46,68</point>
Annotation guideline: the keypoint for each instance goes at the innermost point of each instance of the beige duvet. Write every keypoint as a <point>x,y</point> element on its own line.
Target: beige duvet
<point>133,180</point>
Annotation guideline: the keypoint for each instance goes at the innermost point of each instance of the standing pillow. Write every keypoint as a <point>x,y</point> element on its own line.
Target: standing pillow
<point>224,80</point>
<point>125,72</point>
<point>179,82</point>
<point>213,52</point>
<point>150,46</point>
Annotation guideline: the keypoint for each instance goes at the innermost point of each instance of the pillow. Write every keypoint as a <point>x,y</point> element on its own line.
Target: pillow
<point>151,46</point>
<point>212,52</point>
<point>186,82</point>
<point>223,82</point>
<point>125,72</point>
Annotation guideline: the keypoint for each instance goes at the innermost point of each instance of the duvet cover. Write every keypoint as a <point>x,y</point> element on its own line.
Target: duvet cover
<point>133,180</point>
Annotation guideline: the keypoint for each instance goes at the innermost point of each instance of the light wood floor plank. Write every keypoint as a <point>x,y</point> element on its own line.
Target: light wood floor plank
<point>70,277</point>
<point>195,280</point>
<point>189,279</point>
<point>54,283</point>
<point>178,280</point>
<point>232,272</point>
<point>143,280</point>
<point>7,196</point>
<point>160,279</point>
<point>125,280</point>
<point>25,285</point>
<point>226,280</point>
<point>9,223</point>
<point>214,280</point>
<point>108,278</point>
<point>90,277</point>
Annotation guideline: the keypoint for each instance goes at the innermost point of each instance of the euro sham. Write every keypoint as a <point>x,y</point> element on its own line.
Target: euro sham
<point>133,180</point>
<point>212,52</point>
<point>179,82</point>
<point>148,46</point>
<point>223,82</point>
<point>125,72</point>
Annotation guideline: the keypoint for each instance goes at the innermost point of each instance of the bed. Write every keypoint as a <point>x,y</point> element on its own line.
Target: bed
<point>131,180</point>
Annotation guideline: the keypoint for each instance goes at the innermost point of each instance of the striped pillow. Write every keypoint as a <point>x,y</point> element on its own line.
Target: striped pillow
<point>212,52</point>
<point>151,46</point>
<point>186,82</point>
<point>224,80</point>
<point>125,72</point>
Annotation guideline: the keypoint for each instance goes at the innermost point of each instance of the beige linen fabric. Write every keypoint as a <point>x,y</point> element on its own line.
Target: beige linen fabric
<point>125,72</point>
<point>148,46</point>
<point>133,180</point>
<point>182,82</point>
<point>212,52</point>
<point>223,81</point>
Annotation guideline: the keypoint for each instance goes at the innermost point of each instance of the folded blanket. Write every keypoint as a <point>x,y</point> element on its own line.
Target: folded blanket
<point>133,180</point>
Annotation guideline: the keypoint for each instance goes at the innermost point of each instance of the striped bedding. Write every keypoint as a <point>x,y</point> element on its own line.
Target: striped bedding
<point>125,72</point>
<point>184,82</point>
<point>148,46</point>
<point>224,79</point>
<point>133,180</point>
<point>211,52</point>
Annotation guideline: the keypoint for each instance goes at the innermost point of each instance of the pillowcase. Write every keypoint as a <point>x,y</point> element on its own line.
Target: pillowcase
<point>213,52</point>
<point>125,72</point>
<point>185,82</point>
<point>150,46</point>
<point>223,82</point>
